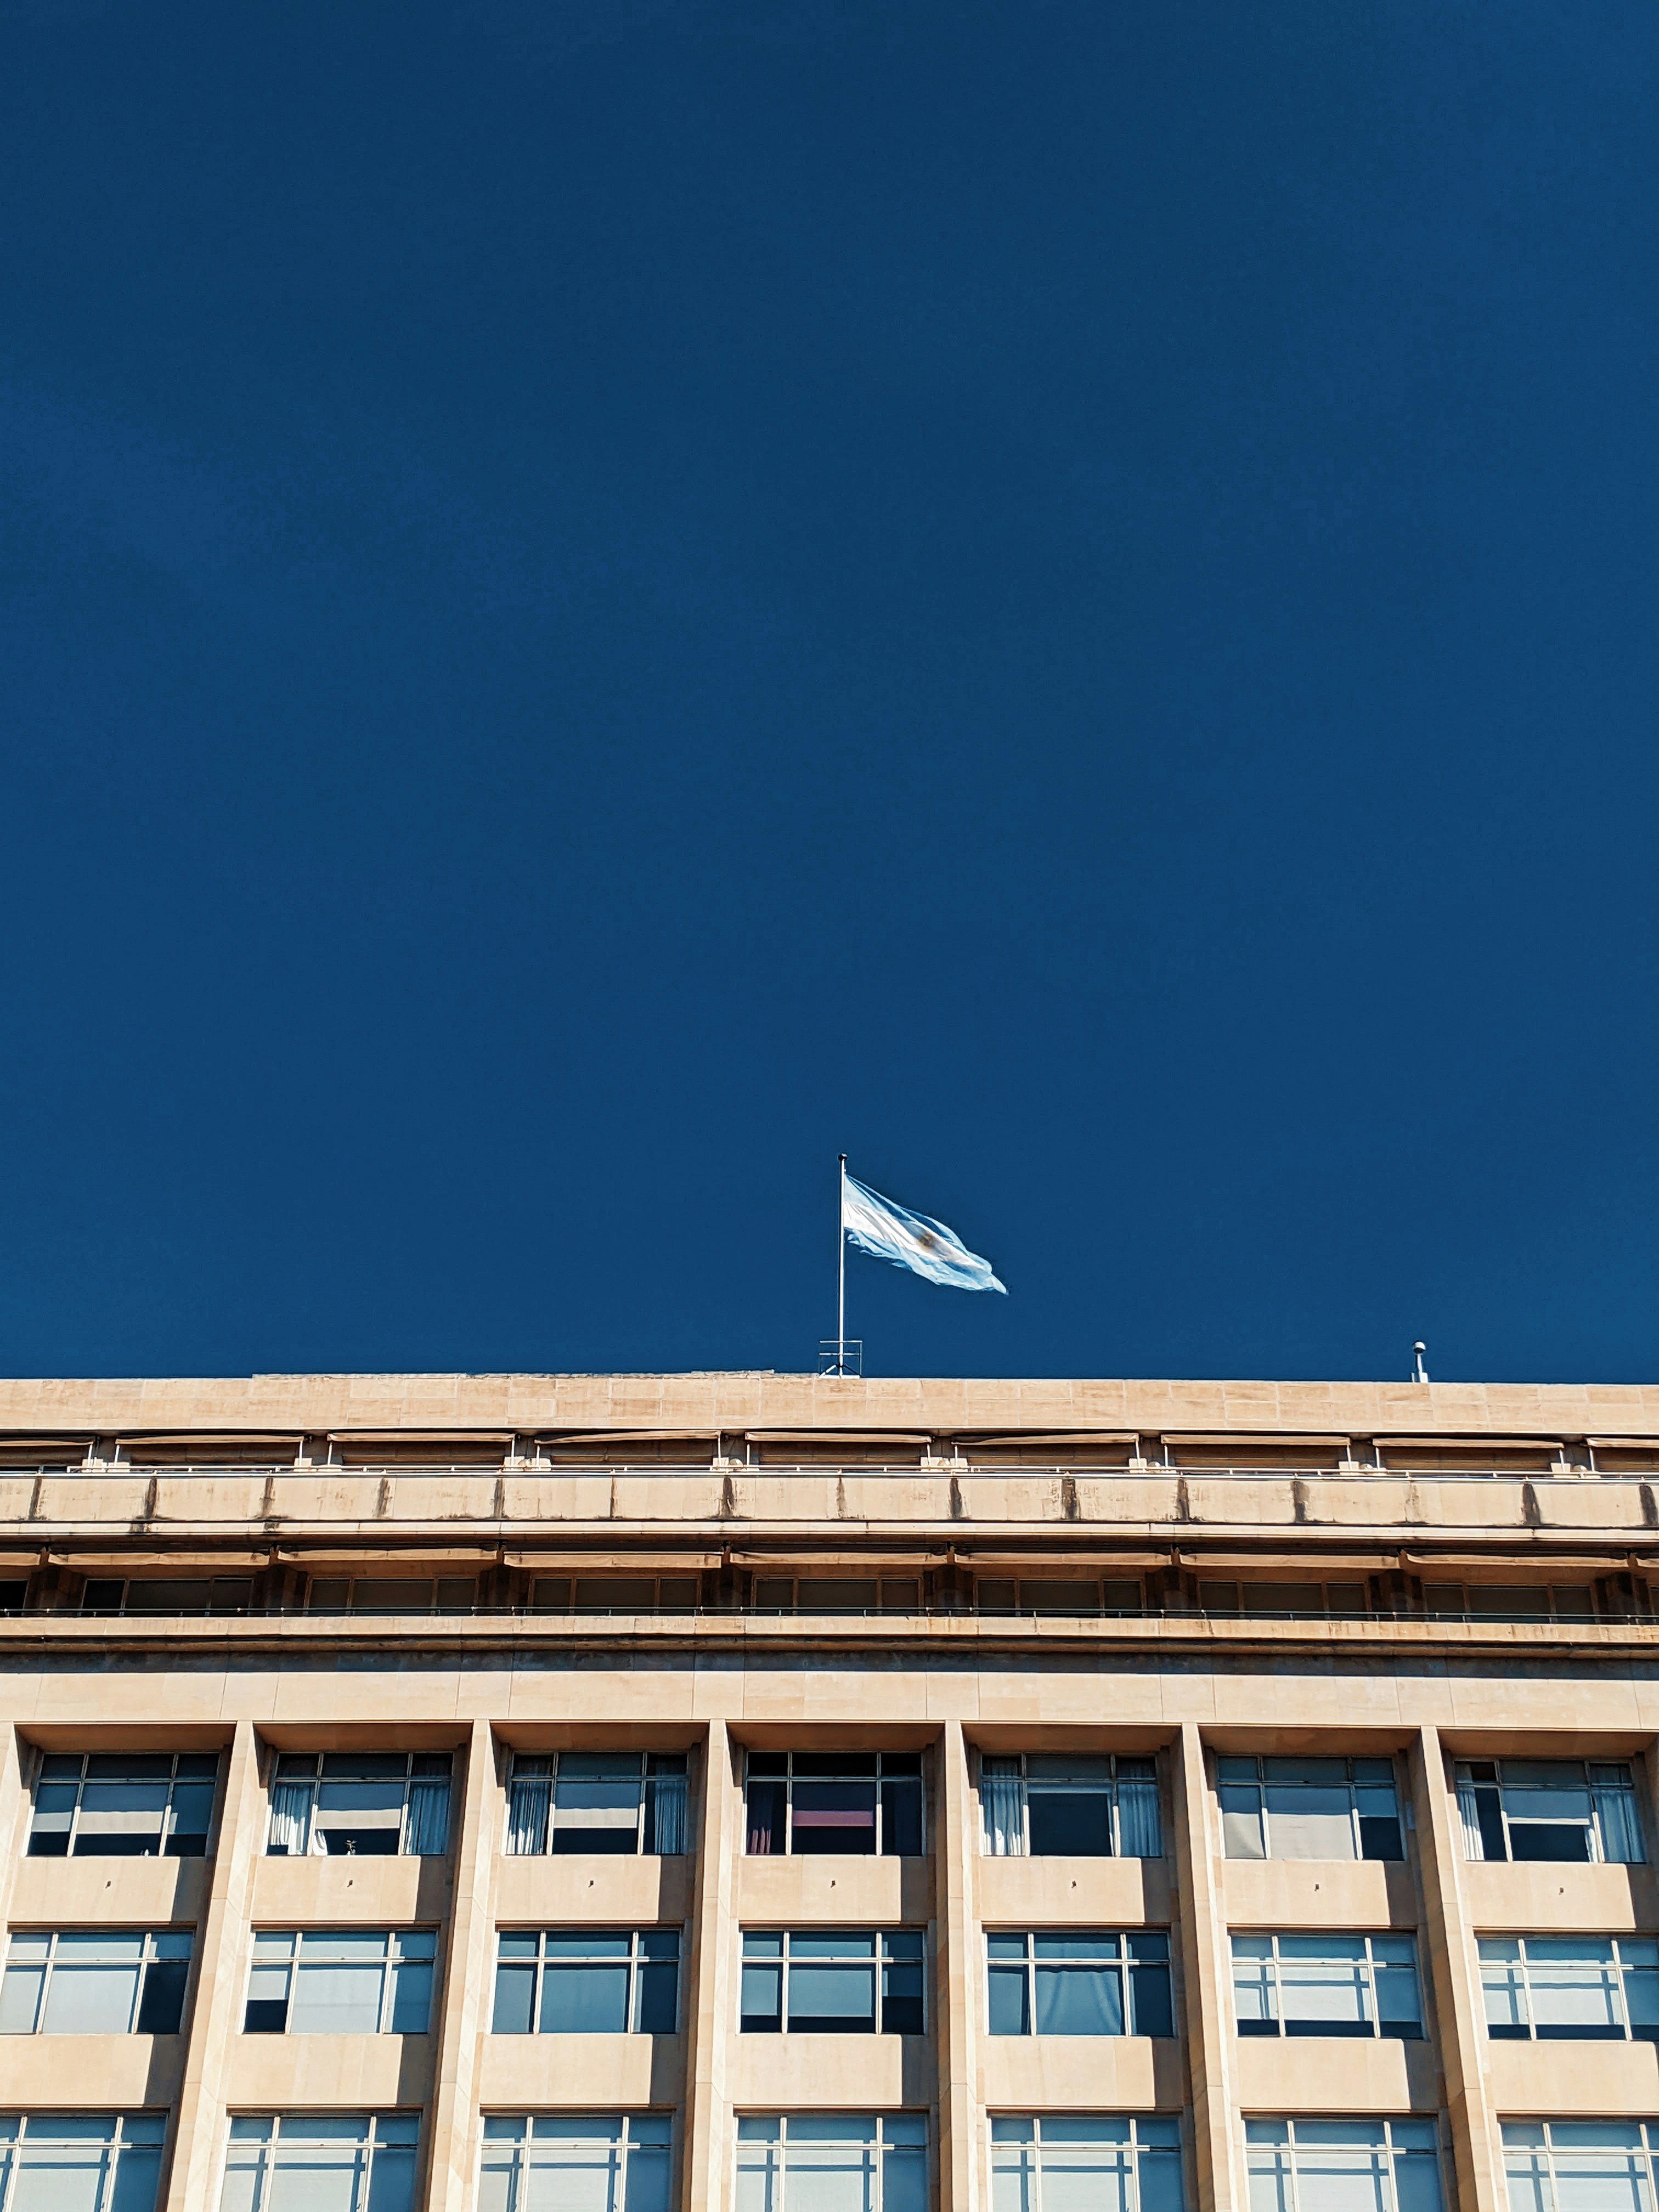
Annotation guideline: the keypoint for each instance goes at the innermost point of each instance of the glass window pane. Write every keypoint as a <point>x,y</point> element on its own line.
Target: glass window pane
<point>584,2000</point>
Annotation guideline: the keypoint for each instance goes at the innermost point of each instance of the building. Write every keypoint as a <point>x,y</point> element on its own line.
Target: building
<point>800,1795</point>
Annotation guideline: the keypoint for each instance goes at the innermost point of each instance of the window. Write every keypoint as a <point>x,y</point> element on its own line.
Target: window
<point>833,2162</point>
<point>844,1983</point>
<point>1310,1808</point>
<point>1066,1805</point>
<point>375,1804</point>
<point>825,1594</point>
<point>1097,1594</point>
<point>597,1801</point>
<point>359,1981</point>
<point>1327,1986</point>
<point>124,1805</point>
<point>1558,1809</point>
<point>1343,2166</point>
<point>95,1982</point>
<point>1114,2162</point>
<point>565,2163</point>
<point>1570,1988</point>
<point>158,1594</point>
<point>1580,2165</point>
<point>614,1594</point>
<point>586,1982</point>
<point>836,1800</point>
<point>80,2161</point>
<point>1080,1984</point>
<point>316,2162</point>
<point>388,1593</point>
<point>13,1595</point>
<point>1272,1599</point>
<point>1515,1601</point>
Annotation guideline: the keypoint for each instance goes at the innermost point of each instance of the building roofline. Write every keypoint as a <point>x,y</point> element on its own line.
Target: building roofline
<point>715,1404</point>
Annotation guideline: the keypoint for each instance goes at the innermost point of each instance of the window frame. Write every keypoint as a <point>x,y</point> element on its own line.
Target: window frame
<point>314,1784</point>
<point>339,1608</point>
<point>213,1584</point>
<point>647,1821</point>
<point>1024,2153</point>
<point>638,2133</point>
<point>1045,1787</point>
<point>247,2150</point>
<point>180,1944</point>
<point>1372,2029</point>
<point>1318,1594</point>
<point>1119,1962</point>
<point>1521,1976</point>
<point>879,1960</point>
<point>389,1964</point>
<point>762,2142</point>
<point>1024,1606</point>
<point>894,1593</point>
<point>638,1960</point>
<point>166,1832</point>
<point>1352,1782</point>
<point>1539,2155</point>
<point>1393,2150</point>
<point>1552,1608</point>
<point>132,2135</point>
<point>1474,1794</point>
<point>878,1783</point>
<point>545,1594</point>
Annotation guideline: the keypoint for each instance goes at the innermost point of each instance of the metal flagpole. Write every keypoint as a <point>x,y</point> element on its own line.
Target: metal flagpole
<point>841,1269</point>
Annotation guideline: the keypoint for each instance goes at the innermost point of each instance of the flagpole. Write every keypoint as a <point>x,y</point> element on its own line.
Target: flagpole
<point>841,1269</point>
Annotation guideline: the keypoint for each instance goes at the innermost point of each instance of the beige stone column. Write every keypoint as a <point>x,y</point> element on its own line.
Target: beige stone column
<point>451,2155</point>
<point>956,1979</point>
<point>705,2133</point>
<point>1448,1942</point>
<point>14,1815</point>
<point>221,1963</point>
<point>1218,2128</point>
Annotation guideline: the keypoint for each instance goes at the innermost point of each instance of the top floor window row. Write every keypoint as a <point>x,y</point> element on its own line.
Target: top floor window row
<point>613,1802</point>
<point>1067,1804</point>
<point>864,1802</point>
<point>1556,1809</point>
<point>368,1804</point>
<point>124,1805</point>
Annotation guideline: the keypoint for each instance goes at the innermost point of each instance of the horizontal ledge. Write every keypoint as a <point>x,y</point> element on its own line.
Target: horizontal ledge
<point>639,1563</point>
<point>1358,1562</point>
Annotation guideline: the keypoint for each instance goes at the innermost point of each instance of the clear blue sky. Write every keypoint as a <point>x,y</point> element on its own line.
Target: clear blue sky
<point>604,599</point>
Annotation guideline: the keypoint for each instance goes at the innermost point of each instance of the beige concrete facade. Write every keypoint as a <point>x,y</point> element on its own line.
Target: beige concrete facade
<point>958,1487</point>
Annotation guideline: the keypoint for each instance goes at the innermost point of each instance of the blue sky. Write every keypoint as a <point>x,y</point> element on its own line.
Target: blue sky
<point>599,602</point>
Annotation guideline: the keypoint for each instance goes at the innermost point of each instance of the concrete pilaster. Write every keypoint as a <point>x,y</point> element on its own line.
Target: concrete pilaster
<point>706,2132</point>
<point>956,1979</point>
<point>1449,1944</point>
<point>1217,2137</point>
<point>221,1970</point>
<point>452,2157</point>
<point>14,1815</point>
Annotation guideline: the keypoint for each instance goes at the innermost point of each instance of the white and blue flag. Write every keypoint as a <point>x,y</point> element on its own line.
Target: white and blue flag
<point>927,1247</point>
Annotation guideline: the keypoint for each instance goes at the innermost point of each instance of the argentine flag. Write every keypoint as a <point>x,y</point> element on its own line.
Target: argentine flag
<point>927,1247</point>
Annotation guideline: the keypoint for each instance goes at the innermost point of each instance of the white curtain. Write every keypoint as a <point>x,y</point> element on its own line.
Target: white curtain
<point>428,1834</point>
<point>1002,1797</point>
<point>1468,1810</point>
<point>1620,1832</point>
<point>529,1802</point>
<point>669,1793</point>
<point>1138,1833</point>
<point>291,1818</point>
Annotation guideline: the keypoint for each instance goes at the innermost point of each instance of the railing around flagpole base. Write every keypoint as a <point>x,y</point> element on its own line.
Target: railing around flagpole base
<point>841,1355</point>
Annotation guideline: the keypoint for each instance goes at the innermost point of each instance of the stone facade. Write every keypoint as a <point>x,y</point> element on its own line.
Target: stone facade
<point>956,1528</point>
